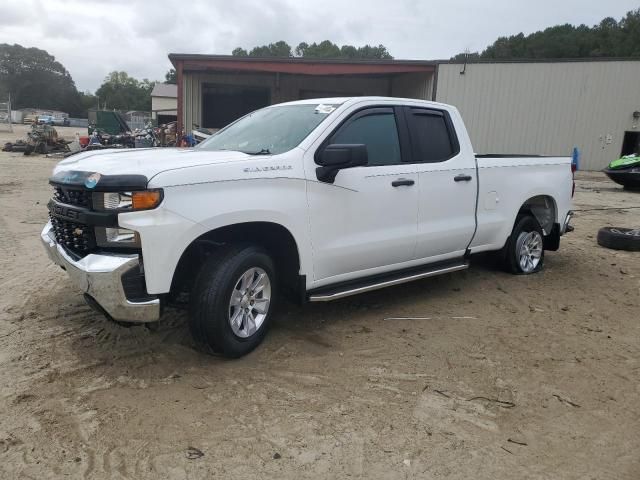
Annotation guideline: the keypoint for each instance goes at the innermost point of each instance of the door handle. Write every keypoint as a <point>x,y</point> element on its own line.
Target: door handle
<point>402,182</point>
<point>462,178</point>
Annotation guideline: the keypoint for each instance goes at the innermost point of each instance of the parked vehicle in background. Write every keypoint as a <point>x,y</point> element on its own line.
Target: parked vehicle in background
<point>45,120</point>
<point>30,119</point>
<point>61,121</point>
<point>317,199</point>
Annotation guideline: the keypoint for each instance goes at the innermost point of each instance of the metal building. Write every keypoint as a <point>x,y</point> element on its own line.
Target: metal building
<point>164,102</point>
<point>546,107</point>
<point>214,90</point>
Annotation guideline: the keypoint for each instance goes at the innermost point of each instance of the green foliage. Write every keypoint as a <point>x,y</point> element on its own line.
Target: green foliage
<point>239,52</point>
<point>171,76</point>
<point>35,79</point>
<point>88,100</point>
<point>324,49</point>
<point>466,56</point>
<point>119,91</point>
<point>278,49</point>
<point>609,38</point>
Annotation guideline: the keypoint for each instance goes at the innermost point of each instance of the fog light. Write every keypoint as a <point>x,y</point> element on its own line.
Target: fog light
<point>117,237</point>
<point>120,235</point>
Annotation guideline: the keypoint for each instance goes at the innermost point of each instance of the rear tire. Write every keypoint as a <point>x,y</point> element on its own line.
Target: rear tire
<point>232,301</point>
<point>523,253</point>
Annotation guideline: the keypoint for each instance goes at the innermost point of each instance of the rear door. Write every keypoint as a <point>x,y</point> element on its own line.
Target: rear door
<point>366,220</point>
<point>447,185</point>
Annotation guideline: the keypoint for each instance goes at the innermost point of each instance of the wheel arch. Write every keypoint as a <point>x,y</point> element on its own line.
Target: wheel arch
<point>275,238</point>
<point>544,209</point>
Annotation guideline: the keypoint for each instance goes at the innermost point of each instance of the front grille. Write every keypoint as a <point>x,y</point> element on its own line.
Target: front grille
<point>79,239</point>
<point>72,196</point>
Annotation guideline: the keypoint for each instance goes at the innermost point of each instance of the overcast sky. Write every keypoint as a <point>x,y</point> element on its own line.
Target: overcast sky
<point>93,37</point>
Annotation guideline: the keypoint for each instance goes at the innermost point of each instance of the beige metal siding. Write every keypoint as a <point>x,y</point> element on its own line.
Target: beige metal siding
<point>412,85</point>
<point>170,105</point>
<point>546,108</point>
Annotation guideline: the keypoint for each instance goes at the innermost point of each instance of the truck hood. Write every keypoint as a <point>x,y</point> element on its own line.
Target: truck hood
<point>148,161</point>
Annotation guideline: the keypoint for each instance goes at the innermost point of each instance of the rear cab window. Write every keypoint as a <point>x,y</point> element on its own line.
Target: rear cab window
<point>433,138</point>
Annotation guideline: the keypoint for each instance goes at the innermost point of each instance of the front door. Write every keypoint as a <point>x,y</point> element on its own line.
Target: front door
<point>367,218</point>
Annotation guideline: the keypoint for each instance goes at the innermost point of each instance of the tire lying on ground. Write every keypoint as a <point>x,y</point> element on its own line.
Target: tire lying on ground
<point>620,238</point>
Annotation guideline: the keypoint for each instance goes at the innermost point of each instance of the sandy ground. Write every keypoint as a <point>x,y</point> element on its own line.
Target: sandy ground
<point>504,377</point>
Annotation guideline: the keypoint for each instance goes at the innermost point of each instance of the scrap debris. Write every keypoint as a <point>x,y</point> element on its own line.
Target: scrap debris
<point>41,139</point>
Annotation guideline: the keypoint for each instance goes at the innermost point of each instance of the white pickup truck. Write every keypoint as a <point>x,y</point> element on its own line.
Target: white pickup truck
<point>316,198</point>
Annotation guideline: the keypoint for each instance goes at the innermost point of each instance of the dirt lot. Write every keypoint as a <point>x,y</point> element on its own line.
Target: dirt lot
<point>503,377</point>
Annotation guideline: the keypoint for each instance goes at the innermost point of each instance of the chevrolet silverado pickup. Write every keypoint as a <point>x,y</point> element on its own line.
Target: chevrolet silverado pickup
<point>317,199</point>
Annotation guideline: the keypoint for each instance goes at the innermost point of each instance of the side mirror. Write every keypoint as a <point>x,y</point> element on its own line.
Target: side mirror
<point>334,158</point>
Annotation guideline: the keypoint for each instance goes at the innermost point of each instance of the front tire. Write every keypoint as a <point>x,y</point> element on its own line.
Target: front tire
<point>232,301</point>
<point>524,251</point>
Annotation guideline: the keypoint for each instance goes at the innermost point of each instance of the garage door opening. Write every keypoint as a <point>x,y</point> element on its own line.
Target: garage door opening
<point>222,104</point>
<point>631,143</point>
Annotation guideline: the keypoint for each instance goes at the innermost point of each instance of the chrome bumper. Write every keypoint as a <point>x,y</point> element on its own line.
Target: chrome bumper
<point>100,277</point>
<point>566,228</point>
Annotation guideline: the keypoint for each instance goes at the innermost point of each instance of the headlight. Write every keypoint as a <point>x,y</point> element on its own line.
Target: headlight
<point>117,237</point>
<point>142,200</point>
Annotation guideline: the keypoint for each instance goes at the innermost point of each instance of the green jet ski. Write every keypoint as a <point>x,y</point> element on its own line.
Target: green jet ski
<point>625,171</point>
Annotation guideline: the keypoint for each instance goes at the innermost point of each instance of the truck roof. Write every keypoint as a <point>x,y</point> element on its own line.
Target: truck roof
<point>343,100</point>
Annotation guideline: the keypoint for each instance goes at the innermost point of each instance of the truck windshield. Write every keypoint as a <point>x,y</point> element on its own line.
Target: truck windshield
<point>271,130</point>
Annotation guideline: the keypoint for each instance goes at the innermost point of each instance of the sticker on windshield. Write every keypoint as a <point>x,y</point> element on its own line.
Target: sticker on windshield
<point>325,109</point>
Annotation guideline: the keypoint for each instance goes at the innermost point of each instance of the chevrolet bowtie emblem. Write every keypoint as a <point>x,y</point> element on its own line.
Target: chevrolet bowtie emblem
<point>77,232</point>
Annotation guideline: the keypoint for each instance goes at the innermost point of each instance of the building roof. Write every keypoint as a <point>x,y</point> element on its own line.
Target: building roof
<point>344,66</point>
<point>165,90</point>
<point>540,60</point>
<point>297,65</point>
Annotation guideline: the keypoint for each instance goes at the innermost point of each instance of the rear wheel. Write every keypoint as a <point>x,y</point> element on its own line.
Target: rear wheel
<point>232,301</point>
<point>524,252</point>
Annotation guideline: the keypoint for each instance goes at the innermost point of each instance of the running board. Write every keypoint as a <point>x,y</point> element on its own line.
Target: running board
<point>334,292</point>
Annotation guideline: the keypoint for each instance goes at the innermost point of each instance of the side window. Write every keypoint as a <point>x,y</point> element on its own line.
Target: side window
<point>378,131</point>
<point>431,139</point>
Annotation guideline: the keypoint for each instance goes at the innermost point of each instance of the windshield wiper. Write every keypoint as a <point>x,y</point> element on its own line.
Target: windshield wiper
<point>264,151</point>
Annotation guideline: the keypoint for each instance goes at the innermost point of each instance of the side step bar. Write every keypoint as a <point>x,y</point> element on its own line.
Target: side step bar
<point>334,292</point>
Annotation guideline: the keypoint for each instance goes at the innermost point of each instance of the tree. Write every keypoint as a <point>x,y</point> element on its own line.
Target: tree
<point>121,92</point>
<point>379,52</point>
<point>324,49</point>
<point>34,78</point>
<point>278,49</point>
<point>239,52</point>
<point>171,76</point>
<point>466,56</point>
<point>609,38</point>
<point>88,101</point>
